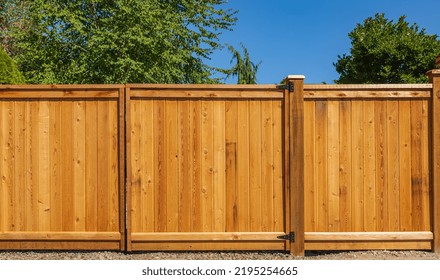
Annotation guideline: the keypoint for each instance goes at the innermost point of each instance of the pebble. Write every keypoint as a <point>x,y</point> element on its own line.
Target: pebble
<point>263,255</point>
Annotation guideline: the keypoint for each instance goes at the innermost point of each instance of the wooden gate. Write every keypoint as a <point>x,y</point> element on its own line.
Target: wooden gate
<point>205,168</point>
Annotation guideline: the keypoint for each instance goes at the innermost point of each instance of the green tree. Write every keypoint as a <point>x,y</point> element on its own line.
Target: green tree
<point>244,68</point>
<point>118,41</point>
<point>384,51</point>
<point>9,73</point>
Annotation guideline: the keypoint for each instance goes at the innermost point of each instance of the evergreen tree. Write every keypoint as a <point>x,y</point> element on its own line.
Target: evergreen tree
<point>9,73</point>
<point>244,68</point>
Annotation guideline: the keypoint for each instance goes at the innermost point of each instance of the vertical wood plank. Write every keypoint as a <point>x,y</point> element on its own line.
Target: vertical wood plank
<point>185,167</point>
<point>44,190</point>
<point>357,200</point>
<point>172,158</point>
<point>255,165</point>
<point>113,168</point>
<point>267,167</point>
<point>91,165</point>
<point>426,200</point>
<point>219,166</point>
<point>28,182</point>
<point>79,179</point>
<point>345,165</point>
<point>146,176</point>
<point>310,191</point>
<point>5,164</point>
<point>416,166</point>
<point>33,159</point>
<point>405,165</point>
<point>280,203</point>
<point>393,170</point>
<point>369,167</point>
<point>56,183</point>
<point>207,166</point>
<point>321,135</point>
<point>103,170</point>
<point>136,156</point>
<point>381,165</point>
<point>8,126</point>
<point>160,164</point>
<point>19,165</point>
<point>231,166</point>
<point>333,166</point>
<point>243,166</point>
<point>67,198</point>
<point>196,162</point>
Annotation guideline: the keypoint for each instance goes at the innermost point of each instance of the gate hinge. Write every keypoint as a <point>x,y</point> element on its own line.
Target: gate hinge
<point>288,87</point>
<point>290,237</point>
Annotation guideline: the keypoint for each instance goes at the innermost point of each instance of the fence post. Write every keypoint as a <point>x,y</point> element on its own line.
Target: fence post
<point>295,89</point>
<point>434,76</point>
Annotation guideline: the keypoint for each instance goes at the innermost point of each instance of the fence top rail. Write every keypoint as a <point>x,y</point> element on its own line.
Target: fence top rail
<point>59,91</point>
<point>61,87</point>
<point>315,91</point>
<point>204,91</point>
<point>205,86</point>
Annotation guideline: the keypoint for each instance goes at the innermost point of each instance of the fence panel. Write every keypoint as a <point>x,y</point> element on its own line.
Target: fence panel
<point>367,167</point>
<point>60,184</point>
<point>205,168</point>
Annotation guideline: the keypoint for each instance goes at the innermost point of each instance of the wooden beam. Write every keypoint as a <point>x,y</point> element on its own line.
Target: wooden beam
<point>340,94</point>
<point>394,91</point>
<point>434,76</point>
<point>232,93</point>
<point>207,246</point>
<point>368,236</point>
<point>206,236</point>
<point>203,87</point>
<point>60,236</point>
<point>296,161</point>
<point>368,245</point>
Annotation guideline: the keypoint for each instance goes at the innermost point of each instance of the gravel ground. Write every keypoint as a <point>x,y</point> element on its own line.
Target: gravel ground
<point>312,255</point>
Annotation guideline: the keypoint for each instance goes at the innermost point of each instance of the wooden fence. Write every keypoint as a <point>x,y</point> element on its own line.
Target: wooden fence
<point>61,167</point>
<point>218,167</point>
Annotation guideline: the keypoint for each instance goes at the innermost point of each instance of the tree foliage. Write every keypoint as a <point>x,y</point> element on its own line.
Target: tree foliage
<point>117,41</point>
<point>9,73</point>
<point>384,51</point>
<point>244,69</point>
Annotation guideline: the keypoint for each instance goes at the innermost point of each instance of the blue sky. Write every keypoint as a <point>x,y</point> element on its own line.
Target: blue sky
<point>305,37</point>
